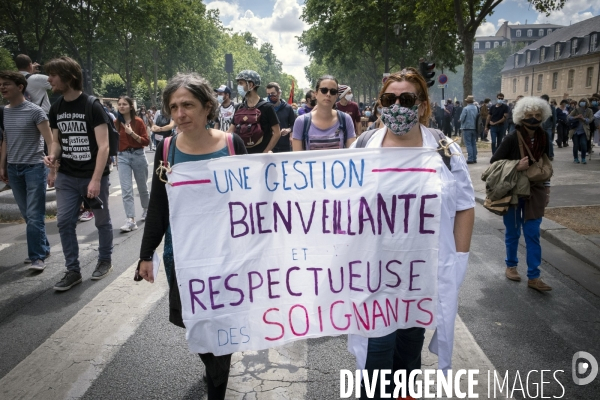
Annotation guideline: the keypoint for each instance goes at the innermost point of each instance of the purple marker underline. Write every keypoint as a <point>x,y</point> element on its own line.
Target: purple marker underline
<point>405,170</point>
<point>191,182</point>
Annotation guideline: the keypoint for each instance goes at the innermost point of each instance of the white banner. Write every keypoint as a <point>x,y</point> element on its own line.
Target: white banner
<point>273,248</point>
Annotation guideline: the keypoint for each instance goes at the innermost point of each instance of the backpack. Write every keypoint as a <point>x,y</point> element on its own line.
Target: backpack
<point>362,140</point>
<point>113,134</point>
<point>308,120</point>
<point>28,96</point>
<point>171,140</point>
<point>246,121</point>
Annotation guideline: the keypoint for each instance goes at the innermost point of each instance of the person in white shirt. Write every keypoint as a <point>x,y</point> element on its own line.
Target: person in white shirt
<point>37,84</point>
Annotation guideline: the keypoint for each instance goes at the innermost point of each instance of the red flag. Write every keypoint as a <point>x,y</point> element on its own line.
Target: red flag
<point>291,99</point>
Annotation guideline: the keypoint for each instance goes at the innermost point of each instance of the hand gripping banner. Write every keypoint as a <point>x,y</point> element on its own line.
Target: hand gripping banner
<point>273,248</point>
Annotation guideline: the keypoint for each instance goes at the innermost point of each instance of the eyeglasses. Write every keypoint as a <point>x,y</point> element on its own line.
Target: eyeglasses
<point>407,99</point>
<point>332,92</point>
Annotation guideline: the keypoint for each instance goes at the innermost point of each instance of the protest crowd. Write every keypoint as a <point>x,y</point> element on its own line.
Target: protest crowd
<point>74,144</point>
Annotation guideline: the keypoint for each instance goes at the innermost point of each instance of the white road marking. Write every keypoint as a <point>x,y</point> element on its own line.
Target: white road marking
<point>5,246</point>
<point>67,363</point>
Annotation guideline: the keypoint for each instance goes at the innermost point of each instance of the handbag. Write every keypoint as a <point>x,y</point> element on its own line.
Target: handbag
<point>541,170</point>
<point>498,207</point>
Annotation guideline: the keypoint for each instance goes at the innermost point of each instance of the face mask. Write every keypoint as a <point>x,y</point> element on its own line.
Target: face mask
<point>594,103</point>
<point>582,104</point>
<point>368,113</point>
<point>500,101</point>
<point>532,122</point>
<point>400,119</point>
<point>296,111</point>
<point>349,97</point>
<point>220,99</point>
<point>313,103</point>
<point>241,91</point>
<point>272,99</point>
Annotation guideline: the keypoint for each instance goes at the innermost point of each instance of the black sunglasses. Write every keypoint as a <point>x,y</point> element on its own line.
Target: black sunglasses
<point>407,99</point>
<point>332,92</point>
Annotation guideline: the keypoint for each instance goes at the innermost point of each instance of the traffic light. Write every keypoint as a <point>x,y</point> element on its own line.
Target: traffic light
<point>426,70</point>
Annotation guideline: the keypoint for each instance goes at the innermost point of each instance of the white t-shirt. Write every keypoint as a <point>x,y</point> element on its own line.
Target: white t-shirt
<point>457,195</point>
<point>37,85</point>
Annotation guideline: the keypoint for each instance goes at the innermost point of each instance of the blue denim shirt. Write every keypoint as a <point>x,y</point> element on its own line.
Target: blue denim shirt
<point>468,117</point>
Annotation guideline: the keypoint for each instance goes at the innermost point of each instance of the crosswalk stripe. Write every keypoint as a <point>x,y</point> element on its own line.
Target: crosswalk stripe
<point>5,246</point>
<point>67,363</point>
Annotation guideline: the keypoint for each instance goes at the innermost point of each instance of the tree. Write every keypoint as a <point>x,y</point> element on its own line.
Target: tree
<point>6,61</point>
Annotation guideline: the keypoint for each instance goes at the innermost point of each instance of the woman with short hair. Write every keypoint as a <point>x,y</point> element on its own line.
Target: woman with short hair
<point>189,100</point>
<point>528,115</point>
<point>581,134</point>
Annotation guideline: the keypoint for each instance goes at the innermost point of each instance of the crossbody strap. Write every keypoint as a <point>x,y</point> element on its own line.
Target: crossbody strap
<point>523,144</point>
<point>166,145</point>
<point>230,148</point>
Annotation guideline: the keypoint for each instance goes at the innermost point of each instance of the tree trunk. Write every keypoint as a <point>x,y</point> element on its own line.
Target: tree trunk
<point>467,41</point>
<point>155,61</point>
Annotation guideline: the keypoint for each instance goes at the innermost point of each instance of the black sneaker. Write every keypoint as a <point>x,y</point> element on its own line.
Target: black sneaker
<point>102,269</point>
<point>70,279</point>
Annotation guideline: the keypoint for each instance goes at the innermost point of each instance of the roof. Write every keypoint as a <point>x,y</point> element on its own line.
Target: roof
<point>533,26</point>
<point>581,30</point>
<point>478,38</point>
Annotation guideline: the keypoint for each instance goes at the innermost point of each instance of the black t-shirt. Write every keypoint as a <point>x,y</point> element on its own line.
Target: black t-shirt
<point>76,136</point>
<point>497,112</point>
<point>286,118</point>
<point>268,118</point>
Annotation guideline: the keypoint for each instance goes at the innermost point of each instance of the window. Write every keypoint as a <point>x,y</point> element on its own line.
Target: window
<point>528,57</point>
<point>541,32</point>
<point>515,85</point>
<point>518,33</point>
<point>593,42</point>
<point>571,79</point>
<point>529,32</point>
<point>476,45</point>
<point>487,45</point>
<point>542,54</point>
<point>555,81</point>
<point>496,44</point>
<point>588,77</point>
<point>557,51</point>
<point>503,44</point>
<point>549,31</point>
<point>526,84</point>
<point>516,60</point>
<point>574,43</point>
<point>540,82</point>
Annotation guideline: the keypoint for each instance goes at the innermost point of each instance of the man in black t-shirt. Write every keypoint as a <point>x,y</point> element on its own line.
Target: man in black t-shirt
<point>80,150</point>
<point>285,115</point>
<point>248,83</point>
<point>496,121</point>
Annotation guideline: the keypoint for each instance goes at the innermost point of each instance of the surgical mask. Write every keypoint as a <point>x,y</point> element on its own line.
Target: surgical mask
<point>241,90</point>
<point>582,104</point>
<point>500,101</point>
<point>349,97</point>
<point>368,113</point>
<point>532,122</point>
<point>594,103</point>
<point>313,102</point>
<point>400,120</point>
<point>296,111</point>
<point>220,99</point>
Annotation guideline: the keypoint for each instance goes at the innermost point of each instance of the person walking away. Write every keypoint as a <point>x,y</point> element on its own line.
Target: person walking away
<point>495,121</point>
<point>22,162</point>
<point>448,117</point>
<point>285,115</point>
<point>80,142</point>
<point>37,83</point>
<point>345,104</point>
<point>550,126</point>
<point>527,215</point>
<point>324,128</point>
<point>562,125</point>
<point>254,120</point>
<point>133,137</point>
<point>226,108</point>
<point>581,133</point>
<point>484,112</point>
<point>188,98</point>
<point>468,122</point>
<point>457,112</point>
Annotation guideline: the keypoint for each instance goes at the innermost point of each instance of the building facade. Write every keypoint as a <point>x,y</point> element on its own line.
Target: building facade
<point>513,34</point>
<point>565,63</point>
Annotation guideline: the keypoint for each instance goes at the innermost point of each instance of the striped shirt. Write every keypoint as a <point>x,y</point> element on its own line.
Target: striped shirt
<point>25,144</point>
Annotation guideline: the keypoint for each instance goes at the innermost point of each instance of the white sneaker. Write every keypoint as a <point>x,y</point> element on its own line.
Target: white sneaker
<point>86,216</point>
<point>144,214</point>
<point>38,265</point>
<point>129,226</point>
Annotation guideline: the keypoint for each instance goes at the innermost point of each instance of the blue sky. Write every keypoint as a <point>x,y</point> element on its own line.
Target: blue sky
<point>278,22</point>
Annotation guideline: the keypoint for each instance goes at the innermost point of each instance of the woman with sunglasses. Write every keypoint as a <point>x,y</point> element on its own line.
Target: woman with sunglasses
<point>324,128</point>
<point>405,114</point>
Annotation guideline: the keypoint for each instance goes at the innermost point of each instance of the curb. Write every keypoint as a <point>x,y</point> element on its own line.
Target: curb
<point>9,210</point>
<point>568,240</point>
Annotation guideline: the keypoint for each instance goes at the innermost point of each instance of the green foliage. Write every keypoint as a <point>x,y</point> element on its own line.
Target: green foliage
<point>6,60</point>
<point>112,86</point>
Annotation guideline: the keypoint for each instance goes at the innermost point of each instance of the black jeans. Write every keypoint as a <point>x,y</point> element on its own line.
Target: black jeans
<point>562,136</point>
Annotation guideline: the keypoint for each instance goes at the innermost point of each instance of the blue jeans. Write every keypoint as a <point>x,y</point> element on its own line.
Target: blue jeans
<point>28,183</point>
<point>70,192</point>
<point>579,144</point>
<point>133,162</point>
<point>400,350</point>
<point>470,138</point>
<point>514,220</point>
<point>497,132</point>
<point>550,133</point>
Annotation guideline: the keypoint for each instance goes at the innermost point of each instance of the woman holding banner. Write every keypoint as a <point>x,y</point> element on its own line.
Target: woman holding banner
<point>189,100</point>
<point>405,115</point>
<point>324,128</point>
